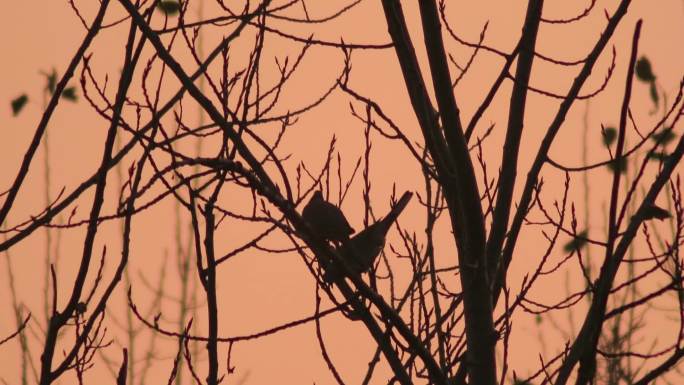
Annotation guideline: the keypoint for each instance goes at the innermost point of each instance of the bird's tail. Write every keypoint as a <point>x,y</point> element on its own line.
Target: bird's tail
<point>397,209</point>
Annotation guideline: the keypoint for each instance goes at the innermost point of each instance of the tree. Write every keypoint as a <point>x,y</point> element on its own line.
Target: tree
<point>440,302</point>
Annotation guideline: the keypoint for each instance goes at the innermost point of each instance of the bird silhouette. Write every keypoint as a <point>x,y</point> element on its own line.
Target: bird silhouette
<point>326,219</point>
<point>361,250</point>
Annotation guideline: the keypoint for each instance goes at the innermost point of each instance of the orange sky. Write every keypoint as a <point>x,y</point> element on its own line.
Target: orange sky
<point>260,290</point>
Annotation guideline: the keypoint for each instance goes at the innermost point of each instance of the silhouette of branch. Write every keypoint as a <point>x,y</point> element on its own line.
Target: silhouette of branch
<point>52,105</point>
<point>18,331</point>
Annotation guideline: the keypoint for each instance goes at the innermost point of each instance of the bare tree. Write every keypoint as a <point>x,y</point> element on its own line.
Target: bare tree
<point>437,315</point>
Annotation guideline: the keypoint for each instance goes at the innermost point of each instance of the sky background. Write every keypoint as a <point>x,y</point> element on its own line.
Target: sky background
<point>259,290</point>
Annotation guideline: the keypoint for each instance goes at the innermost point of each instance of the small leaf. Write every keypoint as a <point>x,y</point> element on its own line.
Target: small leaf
<point>616,165</point>
<point>643,69</point>
<point>169,7</point>
<point>576,243</point>
<point>51,81</point>
<point>609,135</point>
<point>661,156</point>
<point>655,212</point>
<point>18,104</point>
<point>654,93</point>
<point>81,308</point>
<point>69,94</point>
<point>521,382</point>
<point>663,136</point>
<point>538,319</point>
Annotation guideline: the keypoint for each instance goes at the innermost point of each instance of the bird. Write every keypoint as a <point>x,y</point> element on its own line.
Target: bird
<point>326,219</point>
<point>361,250</point>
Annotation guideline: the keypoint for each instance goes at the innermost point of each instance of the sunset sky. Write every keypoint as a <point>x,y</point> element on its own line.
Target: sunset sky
<point>257,289</point>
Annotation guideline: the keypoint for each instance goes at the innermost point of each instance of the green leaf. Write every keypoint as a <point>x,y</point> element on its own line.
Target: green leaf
<point>654,93</point>
<point>655,212</point>
<point>576,243</point>
<point>652,212</point>
<point>169,7</point>
<point>660,156</point>
<point>81,308</point>
<point>618,166</point>
<point>51,81</point>
<point>609,135</point>
<point>18,104</point>
<point>69,94</point>
<point>538,319</point>
<point>663,136</point>
<point>521,382</point>
<point>643,69</point>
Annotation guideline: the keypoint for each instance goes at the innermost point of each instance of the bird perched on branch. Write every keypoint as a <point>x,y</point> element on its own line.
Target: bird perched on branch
<point>326,219</point>
<point>361,250</point>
